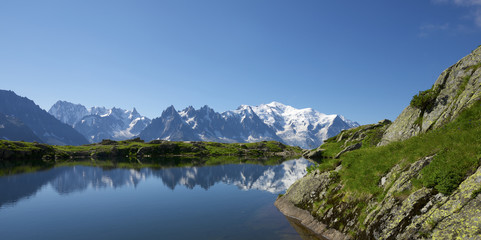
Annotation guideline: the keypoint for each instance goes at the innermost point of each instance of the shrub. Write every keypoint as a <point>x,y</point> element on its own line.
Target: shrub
<point>425,100</point>
<point>444,180</point>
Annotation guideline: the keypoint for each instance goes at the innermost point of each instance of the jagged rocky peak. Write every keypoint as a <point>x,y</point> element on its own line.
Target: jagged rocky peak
<point>274,121</point>
<point>117,111</point>
<point>68,112</point>
<point>99,123</point>
<point>456,89</point>
<point>247,113</point>
<point>134,114</point>
<point>169,126</point>
<point>170,111</point>
<point>98,111</point>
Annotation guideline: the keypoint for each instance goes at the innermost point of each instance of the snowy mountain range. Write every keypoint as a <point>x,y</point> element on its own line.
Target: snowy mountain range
<point>99,123</point>
<point>306,128</point>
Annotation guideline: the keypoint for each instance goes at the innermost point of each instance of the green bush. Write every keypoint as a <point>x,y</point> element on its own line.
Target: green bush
<point>444,180</point>
<point>425,100</point>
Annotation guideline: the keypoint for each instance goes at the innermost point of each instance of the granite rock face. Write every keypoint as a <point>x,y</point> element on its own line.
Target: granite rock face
<point>318,203</point>
<point>458,87</point>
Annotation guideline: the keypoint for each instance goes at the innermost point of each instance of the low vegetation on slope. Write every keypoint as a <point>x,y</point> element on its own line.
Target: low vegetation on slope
<point>402,190</point>
<point>362,137</point>
<point>456,148</point>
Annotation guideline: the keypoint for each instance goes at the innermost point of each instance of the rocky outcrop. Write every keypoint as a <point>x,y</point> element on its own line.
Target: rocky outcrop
<point>456,89</point>
<point>349,148</point>
<point>318,203</point>
<point>350,140</point>
<point>399,202</point>
<point>450,217</point>
<point>299,199</point>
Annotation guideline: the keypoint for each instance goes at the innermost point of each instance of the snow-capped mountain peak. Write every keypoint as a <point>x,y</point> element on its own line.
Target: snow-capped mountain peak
<point>67,112</point>
<point>306,127</point>
<point>134,114</point>
<point>98,111</point>
<point>99,123</point>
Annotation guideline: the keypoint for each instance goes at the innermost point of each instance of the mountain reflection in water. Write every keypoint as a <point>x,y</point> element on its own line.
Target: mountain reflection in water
<point>66,180</point>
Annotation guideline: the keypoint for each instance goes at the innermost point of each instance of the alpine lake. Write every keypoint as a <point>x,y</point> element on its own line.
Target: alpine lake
<point>176,200</point>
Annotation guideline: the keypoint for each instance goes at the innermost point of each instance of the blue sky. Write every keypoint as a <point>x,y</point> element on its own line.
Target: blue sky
<point>362,59</point>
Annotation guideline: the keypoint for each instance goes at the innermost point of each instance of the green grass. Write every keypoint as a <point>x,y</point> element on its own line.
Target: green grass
<point>456,146</point>
<point>373,137</point>
<point>474,67</point>
<point>185,148</point>
<point>463,85</point>
<point>20,146</point>
<point>332,147</point>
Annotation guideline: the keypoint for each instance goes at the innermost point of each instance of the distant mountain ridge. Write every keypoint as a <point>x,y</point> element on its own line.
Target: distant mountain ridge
<point>98,123</point>
<point>73,124</point>
<point>22,119</point>
<point>306,128</point>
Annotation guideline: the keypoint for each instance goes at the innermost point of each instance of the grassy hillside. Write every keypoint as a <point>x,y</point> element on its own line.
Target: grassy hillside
<point>456,148</point>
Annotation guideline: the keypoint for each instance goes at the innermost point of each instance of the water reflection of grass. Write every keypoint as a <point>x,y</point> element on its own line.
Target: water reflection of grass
<point>23,169</point>
<point>18,157</point>
<point>155,163</point>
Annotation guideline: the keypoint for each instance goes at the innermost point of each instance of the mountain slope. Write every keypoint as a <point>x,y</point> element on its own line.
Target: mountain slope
<point>67,112</point>
<point>169,126</point>
<point>205,122</point>
<point>15,130</point>
<point>98,123</point>
<point>244,125</point>
<point>43,125</point>
<point>422,182</point>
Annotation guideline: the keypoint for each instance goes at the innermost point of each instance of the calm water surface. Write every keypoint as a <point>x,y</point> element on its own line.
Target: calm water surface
<point>233,201</point>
